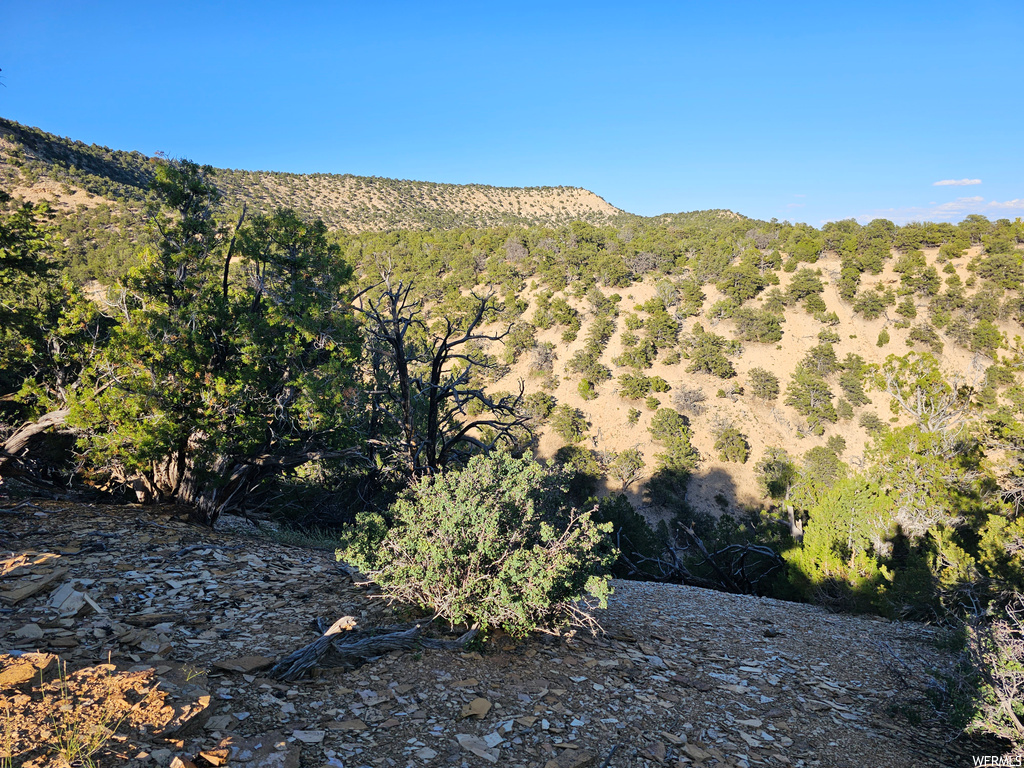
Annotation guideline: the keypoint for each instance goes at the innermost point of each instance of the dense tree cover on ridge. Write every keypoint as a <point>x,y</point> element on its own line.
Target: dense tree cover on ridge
<point>235,362</point>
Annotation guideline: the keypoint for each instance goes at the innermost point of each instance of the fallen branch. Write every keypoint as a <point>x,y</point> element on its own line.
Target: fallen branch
<point>351,651</point>
<point>18,509</point>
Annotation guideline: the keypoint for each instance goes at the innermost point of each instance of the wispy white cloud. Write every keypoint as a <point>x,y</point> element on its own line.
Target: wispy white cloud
<point>1009,204</point>
<point>956,183</point>
<point>953,210</point>
<point>796,205</point>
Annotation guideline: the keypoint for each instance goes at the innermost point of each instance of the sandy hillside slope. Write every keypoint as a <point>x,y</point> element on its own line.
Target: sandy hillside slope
<point>729,486</point>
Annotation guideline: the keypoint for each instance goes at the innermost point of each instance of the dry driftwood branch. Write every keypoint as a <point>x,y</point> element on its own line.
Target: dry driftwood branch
<point>352,650</point>
<point>18,441</point>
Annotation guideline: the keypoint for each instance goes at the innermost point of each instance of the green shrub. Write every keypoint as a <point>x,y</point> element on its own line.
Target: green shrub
<point>586,389</point>
<point>633,322</point>
<point>814,304</point>
<point>582,472</point>
<point>652,403</point>
<point>844,410</point>
<point>811,396</point>
<point>520,338</point>
<point>758,325</point>
<point>883,338</point>
<point>626,466</point>
<point>732,445</point>
<point>986,338</point>
<point>538,406</point>
<point>872,303</point>
<point>493,545</point>
<point>569,423</point>
<point>872,423</point>
<point>925,334</point>
<point>634,386</point>
<point>670,429</point>
<point>639,355</point>
<point>763,383</point>
<point>360,542</point>
<point>633,416</point>
<point>907,308</point>
<point>708,354</point>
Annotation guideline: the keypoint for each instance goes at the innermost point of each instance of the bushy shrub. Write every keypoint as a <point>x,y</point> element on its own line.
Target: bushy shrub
<point>925,334</point>
<point>995,660</point>
<point>844,410</point>
<point>494,545</point>
<point>569,423</point>
<point>586,389</point>
<point>872,423</point>
<point>538,406</point>
<point>732,445</point>
<point>626,466</point>
<point>757,325</point>
<point>587,362</point>
<point>639,355</point>
<point>814,304</point>
<point>763,383</point>
<point>634,386</point>
<point>708,354</point>
<point>872,303</point>
<point>582,472</point>
<point>520,338</point>
<point>670,429</point>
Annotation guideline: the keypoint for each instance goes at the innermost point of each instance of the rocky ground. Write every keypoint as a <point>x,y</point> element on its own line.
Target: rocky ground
<point>134,621</point>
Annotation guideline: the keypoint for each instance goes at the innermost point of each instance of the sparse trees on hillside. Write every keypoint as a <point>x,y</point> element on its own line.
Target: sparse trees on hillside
<point>811,396</point>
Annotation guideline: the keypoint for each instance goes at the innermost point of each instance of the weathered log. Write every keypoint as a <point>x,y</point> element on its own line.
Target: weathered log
<point>353,650</point>
<point>19,440</point>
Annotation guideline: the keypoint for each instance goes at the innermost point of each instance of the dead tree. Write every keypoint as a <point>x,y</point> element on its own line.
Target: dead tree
<point>425,379</point>
<point>341,646</point>
<point>736,568</point>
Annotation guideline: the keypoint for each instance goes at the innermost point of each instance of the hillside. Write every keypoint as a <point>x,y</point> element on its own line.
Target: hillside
<point>36,165</point>
<point>172,653</point>
<point>720,485</point>
<point>830,416</point>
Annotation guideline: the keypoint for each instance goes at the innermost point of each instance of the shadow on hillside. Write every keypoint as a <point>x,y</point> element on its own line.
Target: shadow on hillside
<point>710,493</point>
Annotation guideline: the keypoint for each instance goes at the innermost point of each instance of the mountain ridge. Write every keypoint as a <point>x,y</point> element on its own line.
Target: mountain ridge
<point>33,160</point>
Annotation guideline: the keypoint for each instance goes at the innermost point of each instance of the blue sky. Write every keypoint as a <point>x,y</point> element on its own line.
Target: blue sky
<point>800,111</point>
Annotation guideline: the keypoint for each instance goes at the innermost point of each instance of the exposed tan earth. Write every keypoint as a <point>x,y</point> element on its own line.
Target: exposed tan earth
<point>766,424</point>
<point>167,629</point>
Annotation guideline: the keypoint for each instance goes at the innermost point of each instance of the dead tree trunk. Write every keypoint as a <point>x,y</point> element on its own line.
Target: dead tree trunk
<point>18,441</point>
<point>352,650</point>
